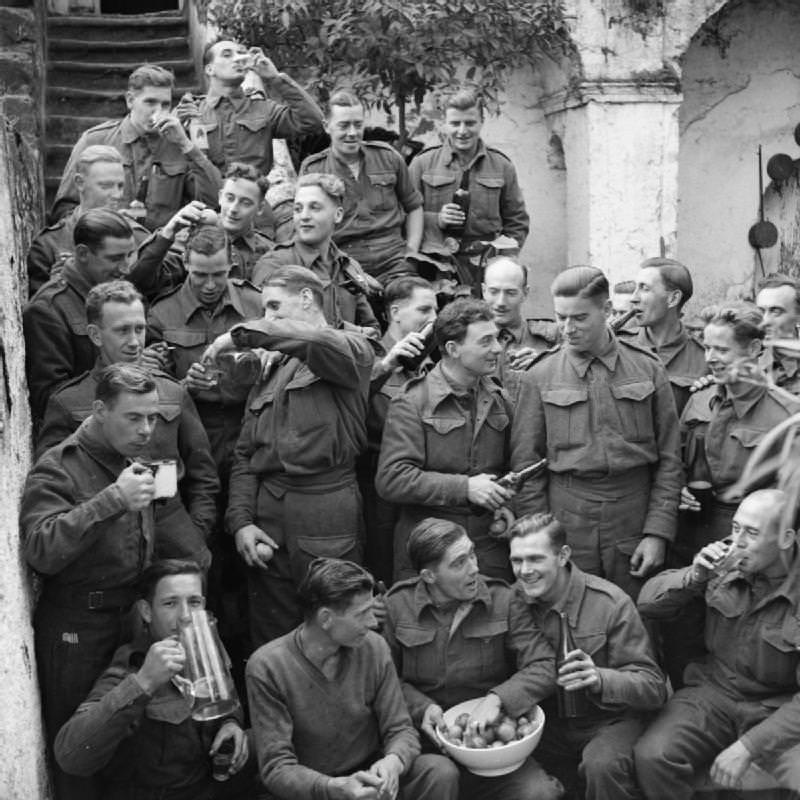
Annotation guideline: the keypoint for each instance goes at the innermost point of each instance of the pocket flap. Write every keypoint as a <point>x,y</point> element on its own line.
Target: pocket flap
<point>173,168</point>
<point>327,547</point>
<point>184,338</point>
<point>565,397</point>
<point>383,179</point>
<point>638,390</point>
<point>253,124</point>
<point>498,421</point>
<point>747,437</point>
<point>591,643</point>
<point>169,411</point>
<point>775,636</point>
<point>258,403</point>
<point>484,628</point>
<point>434,179</point>
<point>414,636</point>
<point>490,183</point>
<point>444,425</point>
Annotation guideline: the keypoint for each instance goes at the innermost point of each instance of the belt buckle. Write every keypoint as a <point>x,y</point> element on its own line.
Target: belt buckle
<point>95,600</point>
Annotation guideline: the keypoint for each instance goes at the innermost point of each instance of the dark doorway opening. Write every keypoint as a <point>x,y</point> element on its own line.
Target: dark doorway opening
<point>137,6</point>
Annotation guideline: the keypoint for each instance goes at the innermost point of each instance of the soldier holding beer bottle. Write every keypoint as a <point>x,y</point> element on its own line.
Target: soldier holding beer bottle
<point>607,676</point>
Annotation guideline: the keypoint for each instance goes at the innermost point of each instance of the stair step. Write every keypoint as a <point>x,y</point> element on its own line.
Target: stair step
<point>118,27</point>
<point>67,128</point>
<point>96,102</point>
<point>170,48</point>
<point>110,75</point>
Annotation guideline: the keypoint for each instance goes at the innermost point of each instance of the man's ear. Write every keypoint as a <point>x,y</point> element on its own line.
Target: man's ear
<point>145,611</point>
<point>674,298</point>
<point>452,348</point>
<point>607,307</point>
<point>754,347</point>
<point>129,99</point>
<point>80,182</point>
<point>339,214</point>
<point>427,575</point>
<point>786,538</point>
<point>82,252</point>
<point>94,334</point>
<point>324,618</point>
<point>99,409</point>
<point>564,554</point>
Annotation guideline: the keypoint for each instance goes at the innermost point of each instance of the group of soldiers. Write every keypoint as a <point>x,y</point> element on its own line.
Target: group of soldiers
<point>353,398</point>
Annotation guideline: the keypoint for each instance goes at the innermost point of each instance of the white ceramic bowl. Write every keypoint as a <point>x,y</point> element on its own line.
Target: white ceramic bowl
<point>493,760</point>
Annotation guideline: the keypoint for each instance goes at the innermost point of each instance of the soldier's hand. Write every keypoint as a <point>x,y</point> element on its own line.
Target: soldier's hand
<point>707,560</point>
<point>579,672</point>
<point>730,765</point>
<point>522,358</point>
<point>255,546</point>
<point>432,718</point>
<point>484,492</point>
<point>358,786</point>
<point>219,345</point>
<point>410,346</point>
<point>137,487</point>
<point>200,377</point>
<point>701,383</point>
<point>688,501</point>
<point>261,65</point>
<point>451,214</point>
<point>187,109</point>
<point>169,127</point>
<point>155,356</point>
<point>648,556</point>
<point>192,214</point>
<point>164,660</point>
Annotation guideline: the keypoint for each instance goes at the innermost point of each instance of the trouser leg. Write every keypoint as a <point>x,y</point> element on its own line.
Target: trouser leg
<point>696,724</point>
<point>430,777</point>
<point>529,782</point>
<point>272,595</point>
<point>73,648</point>
<point>606,766</point>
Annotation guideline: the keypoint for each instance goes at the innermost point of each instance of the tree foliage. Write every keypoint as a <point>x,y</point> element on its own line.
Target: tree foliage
<point>391,51</point>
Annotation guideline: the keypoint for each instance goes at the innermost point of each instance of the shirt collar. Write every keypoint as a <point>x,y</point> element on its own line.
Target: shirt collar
<point>743,396</point>
<point>789,588</point>
<point>607,357</point>
<point>75,278</point>
<point>439,388</point>
<point>569,602</point>
<point>667,351</point>
<point>423,599</point>
<point>449,153</point>
<point>191,304</point>
<point>93,440</point>
<point>214,98</point>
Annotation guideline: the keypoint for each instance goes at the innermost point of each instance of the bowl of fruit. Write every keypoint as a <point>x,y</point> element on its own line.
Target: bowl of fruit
<point>501,748</point>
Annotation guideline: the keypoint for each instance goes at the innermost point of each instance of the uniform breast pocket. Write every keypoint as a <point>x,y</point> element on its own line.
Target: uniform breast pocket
<point>165,191</point>
<point>419,654</point>
<point>189,346</point>
<point>592,643</point>
<point>486,200</point>
<point>438,189</point>
<point>486,641</point>
<point>445,442</point>
<point>253,139</point>
<point>383,192</point>
<point>566,412</point>
<point>633,405</point>
<point>777,655</point>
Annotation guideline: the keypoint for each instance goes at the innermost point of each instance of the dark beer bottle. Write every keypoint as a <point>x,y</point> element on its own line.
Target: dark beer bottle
<point>413,363</point>
<point>574,704</point>
<point>699,480</point>
<point>461,198</point>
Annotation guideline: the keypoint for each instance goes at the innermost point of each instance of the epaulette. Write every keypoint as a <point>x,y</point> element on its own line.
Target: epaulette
<point>56,285</point>
<point>57,225</point>
<point>321,156</point>
<point>243,283</point>
<point>109,123</point>
<point>639,349</point>
<point>165,294</point>
<point>162,375</point>
<point>254,93</point>
<point>403,584</point>
<point>499,152</point>
<point>429,149</point>
<point>70,382</point>
<point>605,586</point>
<point>779,397</point>
<point>412,382</point>
<point>546,329</point>
<point>541,356</point>
<point>380,145</point>
<point>495,581</point>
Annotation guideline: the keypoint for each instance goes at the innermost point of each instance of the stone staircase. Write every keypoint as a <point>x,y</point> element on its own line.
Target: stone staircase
<point>89,59</point>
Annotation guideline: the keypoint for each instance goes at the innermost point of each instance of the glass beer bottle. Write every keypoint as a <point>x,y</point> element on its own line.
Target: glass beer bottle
<point>571,704</point>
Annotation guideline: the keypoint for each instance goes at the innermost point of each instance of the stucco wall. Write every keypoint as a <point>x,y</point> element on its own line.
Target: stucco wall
<point>741,88</point>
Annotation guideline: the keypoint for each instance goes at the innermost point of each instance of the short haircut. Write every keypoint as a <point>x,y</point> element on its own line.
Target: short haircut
<point>500,260</point>
<point>463,100</point>
<point>345,99</point>
<point>625,287</point>
<point>540,523</point>
<point>247,172</point>
<point>403,288</point>
<point>674,275</point>
<point>744,319</point>
<point>95,154</point>
<point>331,185</point>
<point>331,583</point>
<point>430,540</point>
<point>98,224</point>
<point>109,292</point>
<point>583,282</point>
<point>294,279</point>
<point>205,240</point>
<point>454,319</point>
<point>775,281</point>
<point>166,568</point>
<point>150,75</point>
<point>119,378</point>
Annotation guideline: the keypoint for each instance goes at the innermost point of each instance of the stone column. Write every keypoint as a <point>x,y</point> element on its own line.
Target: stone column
<point>620,143</point>
<point>22,767</point>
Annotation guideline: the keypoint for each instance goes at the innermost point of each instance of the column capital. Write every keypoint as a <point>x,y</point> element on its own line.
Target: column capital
<point>666,91</point>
